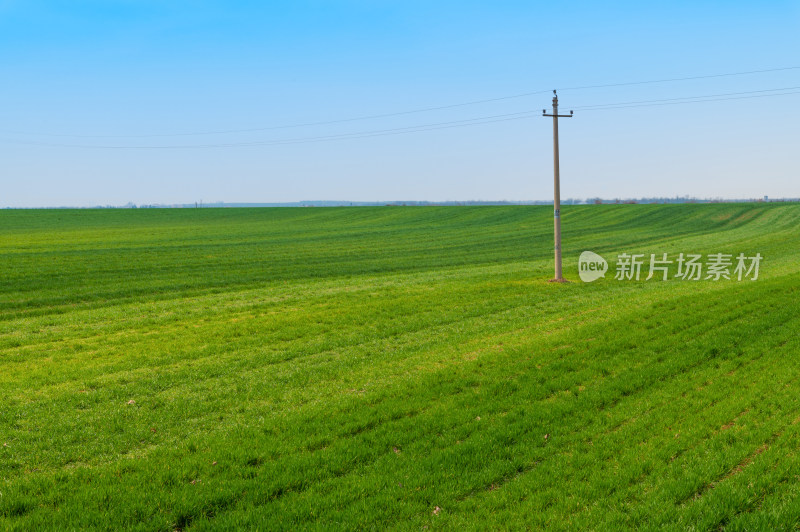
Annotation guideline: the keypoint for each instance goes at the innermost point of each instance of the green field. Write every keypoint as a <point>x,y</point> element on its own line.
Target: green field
<point>372,368</point>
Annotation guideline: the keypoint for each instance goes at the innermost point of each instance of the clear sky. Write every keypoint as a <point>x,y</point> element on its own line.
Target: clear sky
<point>106,102</point>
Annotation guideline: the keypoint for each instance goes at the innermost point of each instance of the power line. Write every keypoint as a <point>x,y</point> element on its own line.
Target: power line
<point>299,140</point>
<point>695,101</point>
<point>306,124</point>
<point>688,99</point>
<point>681,79</point>
<point>415,111</point>
<point>436,125</point>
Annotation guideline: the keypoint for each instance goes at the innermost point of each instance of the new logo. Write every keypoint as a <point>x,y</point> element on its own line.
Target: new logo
<point>591,266</point>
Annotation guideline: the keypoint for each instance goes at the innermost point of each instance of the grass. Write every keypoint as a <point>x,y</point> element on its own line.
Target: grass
<point>395,368</point>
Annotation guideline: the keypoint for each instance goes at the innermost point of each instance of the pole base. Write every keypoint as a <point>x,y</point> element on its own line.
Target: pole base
<point>562,280</point>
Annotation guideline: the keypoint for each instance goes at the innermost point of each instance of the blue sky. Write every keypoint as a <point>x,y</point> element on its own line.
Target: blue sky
<point>114,101</point>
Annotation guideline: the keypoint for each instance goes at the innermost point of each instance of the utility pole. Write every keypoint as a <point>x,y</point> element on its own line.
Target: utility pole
<point>556,188</point>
